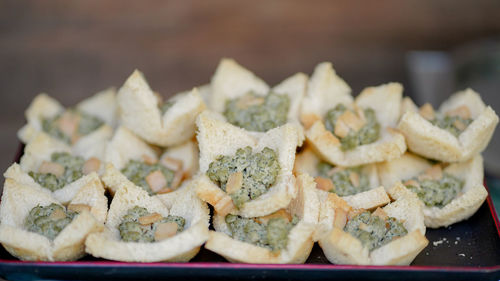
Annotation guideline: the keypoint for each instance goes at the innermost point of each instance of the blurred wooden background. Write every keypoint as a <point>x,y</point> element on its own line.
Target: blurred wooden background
<point>71,49</point>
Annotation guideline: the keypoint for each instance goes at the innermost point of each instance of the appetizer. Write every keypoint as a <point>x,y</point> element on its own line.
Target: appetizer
<point>392,235</point>
<point>284,236</point>
<point>161,123</point>
<point>449,193</point>
<point>144,228</point>
<point>247,102</point>
<point>460,129</point>
<point>245,174</point>
<point>348,133</point>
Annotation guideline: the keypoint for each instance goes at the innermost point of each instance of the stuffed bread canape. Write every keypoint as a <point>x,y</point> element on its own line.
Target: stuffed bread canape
<point>131,159</point>
<point>242,173</point>
<point>247,102</point>
<point>50,166</point>
<point>359,186</point>
<point>389,235</point>
<point>143,228</point>
<point>460,129</point>
<point>36,227</point>
<point>351,133</point>
<point>284,236</point>
<point>162,123</point>
<point>86,127</point>
<point>449,193</point>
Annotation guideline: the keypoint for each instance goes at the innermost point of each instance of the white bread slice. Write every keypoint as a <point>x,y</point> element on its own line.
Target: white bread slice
<point>300,242</point>
<point>368,200</point>
<point>216,137</point>
<point>186,152</point>
<point>342,248</point>
<point>460,208</point>
<point>139,112</point>
<point>179,248</point>
<point>17,201</point>
<point>103,105</point>
<point>325,91</point>
<point>232,81</point>
<point>432,142</point>
<point>385,100</point>
<point>125,146</point>
<point>43,106</point>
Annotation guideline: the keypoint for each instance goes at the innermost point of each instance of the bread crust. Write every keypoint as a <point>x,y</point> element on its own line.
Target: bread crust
<point>216,137</point>
<point>342,248</point>
<point>300,242</point>
<point>460,208</point>
<point>139,112</point>
<point>19,199</point>
<point>432,142</point>
<point>325,91</point>
<point>43,106</point>
<point>231,81</point>
<point>179,248</point>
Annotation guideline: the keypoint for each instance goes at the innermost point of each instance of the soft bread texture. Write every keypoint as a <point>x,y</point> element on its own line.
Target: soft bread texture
<point>17,201</point>
<point>325,91</point>
<point>460,208</point>
<point>216,137</point>
<point>342,248</point>
<point>139,112</point>
<point>103,105</point>
<point>369,200</point>
<point>179,248</point>
<point>232,81</point>
<point>188,153</point>
<point>300,242</point>
<point>43,106</point>
<point>432,142</point>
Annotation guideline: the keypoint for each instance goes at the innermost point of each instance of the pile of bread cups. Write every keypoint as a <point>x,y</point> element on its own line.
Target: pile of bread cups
<point>281,167</point>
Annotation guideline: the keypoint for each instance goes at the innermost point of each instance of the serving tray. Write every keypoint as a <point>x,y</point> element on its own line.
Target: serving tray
<point>469,250</point>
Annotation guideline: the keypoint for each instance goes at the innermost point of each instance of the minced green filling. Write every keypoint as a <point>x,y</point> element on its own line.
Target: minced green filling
<point>273,235</point>
<point>132,231</point>
<point>259,117</point>
<point>137,171</point>
<point>342,181</point>
<point>437,192</point>
<point>448,123</point>
<point>259,170</point>
<point>369,133</point>
<point>39,220</point>
<point>73,170</point>
<point>377,231</point>
<point>87,124</point>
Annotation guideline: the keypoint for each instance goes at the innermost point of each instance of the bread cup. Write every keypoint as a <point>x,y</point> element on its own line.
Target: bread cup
<point>217,137</point>
<point>325,91</point>
<point>140,112</point>
<point>340,247</point>
<point>179,248</point>
<point>125,146</point>
<point>466,202</point>
<point>17,201</point>
<point>430,141</point>
<point>299,244</point>
<point>102,105</point>
<point>232,81</point>
<point>37,153</point>
<point>307,162</point>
